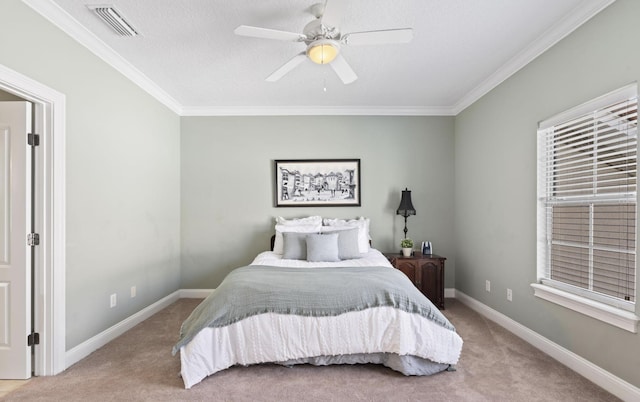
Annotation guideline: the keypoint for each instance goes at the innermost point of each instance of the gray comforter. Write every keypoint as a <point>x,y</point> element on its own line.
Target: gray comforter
<point>316,292</point>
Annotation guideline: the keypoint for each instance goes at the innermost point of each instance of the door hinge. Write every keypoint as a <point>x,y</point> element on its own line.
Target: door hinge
<point>33,339</point>
<point>33,239</point>
<point>33,140</point>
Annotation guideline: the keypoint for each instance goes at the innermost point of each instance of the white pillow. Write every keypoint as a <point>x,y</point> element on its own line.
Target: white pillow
<point>361,223</point>
<point>278,243</point>
<point>310,220</point>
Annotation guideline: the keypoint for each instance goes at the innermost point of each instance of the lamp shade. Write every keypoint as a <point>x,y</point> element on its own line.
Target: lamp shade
<point>406,206</point>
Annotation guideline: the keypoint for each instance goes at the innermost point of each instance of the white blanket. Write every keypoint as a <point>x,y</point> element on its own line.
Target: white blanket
<point>281,338</point>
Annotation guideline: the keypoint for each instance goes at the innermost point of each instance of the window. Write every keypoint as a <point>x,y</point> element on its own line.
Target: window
<point>587,164</point>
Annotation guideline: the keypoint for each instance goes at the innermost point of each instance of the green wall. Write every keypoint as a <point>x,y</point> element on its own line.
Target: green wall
<point>495,182</point>
<point>122,175</point>
<point>227,183</point>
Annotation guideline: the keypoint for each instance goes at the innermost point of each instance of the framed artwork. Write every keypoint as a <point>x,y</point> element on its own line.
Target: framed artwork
<point>317,183</point>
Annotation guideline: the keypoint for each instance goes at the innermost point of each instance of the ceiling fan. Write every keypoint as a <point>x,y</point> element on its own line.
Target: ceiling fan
<point>324,40</point>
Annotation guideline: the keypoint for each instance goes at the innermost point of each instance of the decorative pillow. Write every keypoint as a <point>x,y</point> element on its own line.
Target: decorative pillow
<point>310,220</point>
<point>294,246</point>
<point>361,223</point>
<point>280,229</point>
<point>322,247</point>
<point>348,248</point>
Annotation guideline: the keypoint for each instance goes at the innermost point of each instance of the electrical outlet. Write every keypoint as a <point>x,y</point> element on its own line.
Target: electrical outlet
<point>133,291</point>
<point>487,286</point>
<point>114,300</point>
<point>509,295</point>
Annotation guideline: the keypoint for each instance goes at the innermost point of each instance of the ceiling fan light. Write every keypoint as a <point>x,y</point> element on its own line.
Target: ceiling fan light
<point>323,52</point>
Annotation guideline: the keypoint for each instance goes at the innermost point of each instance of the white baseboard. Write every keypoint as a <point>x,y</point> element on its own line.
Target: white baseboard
<point>84,349</point>
<point>597,375</point>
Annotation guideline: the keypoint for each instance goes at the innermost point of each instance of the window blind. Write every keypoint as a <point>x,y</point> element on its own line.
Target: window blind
<point>587,195</point>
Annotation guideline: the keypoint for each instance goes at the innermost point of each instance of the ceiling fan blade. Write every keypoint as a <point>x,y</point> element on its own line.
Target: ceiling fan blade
<point>343,69</point>
<point>288,66</point>
<point>381,37</point>
<point>265,33</point>
<point>333,12</point>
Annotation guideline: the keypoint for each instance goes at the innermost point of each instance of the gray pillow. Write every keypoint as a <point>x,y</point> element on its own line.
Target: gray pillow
<point>294,246</point>
<point>322,247</point>
<point>348,248</point>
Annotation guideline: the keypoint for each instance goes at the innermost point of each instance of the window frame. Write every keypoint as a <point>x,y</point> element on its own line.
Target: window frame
<point>612,310</point>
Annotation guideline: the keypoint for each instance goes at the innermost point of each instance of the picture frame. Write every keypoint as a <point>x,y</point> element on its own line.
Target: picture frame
<point>317,183</point>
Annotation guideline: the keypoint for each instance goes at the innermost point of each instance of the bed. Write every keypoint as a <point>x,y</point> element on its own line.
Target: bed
<point>320,310</point>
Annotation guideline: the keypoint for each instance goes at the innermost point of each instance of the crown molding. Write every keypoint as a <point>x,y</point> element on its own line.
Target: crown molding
<point>63,20</point>
<point>553,35</point>
<point>317,111</point>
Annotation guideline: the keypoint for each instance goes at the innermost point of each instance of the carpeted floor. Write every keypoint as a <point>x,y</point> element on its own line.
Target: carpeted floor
<point>495,366</point>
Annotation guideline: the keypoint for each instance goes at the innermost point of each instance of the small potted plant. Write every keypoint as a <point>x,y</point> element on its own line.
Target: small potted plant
<point>407,247</point>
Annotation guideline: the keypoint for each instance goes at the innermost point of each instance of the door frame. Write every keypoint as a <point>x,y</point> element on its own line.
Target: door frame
<point>50,259</point>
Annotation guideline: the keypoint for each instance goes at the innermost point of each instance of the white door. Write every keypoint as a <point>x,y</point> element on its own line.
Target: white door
<point>15,256</point>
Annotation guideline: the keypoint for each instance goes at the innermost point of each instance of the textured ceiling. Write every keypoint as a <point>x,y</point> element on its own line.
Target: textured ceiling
<point>189,58</point>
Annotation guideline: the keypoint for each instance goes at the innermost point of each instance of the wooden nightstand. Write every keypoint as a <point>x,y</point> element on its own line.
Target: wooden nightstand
<point>426,271</point>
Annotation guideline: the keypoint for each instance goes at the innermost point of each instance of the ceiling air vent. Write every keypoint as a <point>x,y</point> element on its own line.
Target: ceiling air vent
<point>113,18</point>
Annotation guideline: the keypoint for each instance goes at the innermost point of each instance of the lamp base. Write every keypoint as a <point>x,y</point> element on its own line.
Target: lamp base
<point>405,226</point>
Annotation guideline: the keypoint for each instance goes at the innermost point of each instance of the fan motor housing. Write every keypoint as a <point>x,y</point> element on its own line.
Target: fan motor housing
<point>315,31</point>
